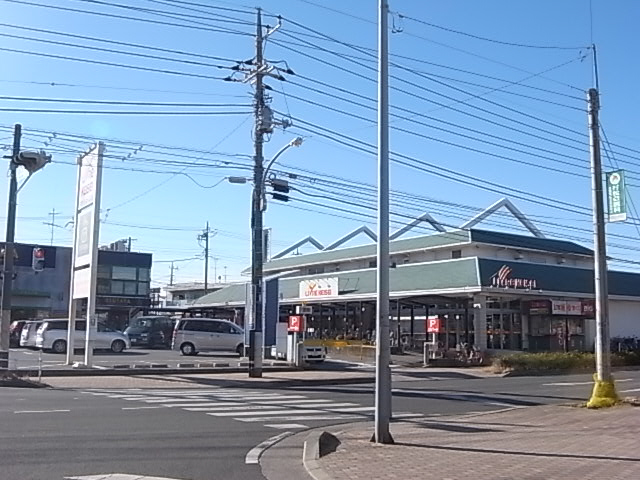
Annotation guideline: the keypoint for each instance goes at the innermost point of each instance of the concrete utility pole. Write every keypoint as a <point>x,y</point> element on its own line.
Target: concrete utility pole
<point>255,334</point>
<point>383,348</point>
<point>171,274</point>
<point>205,236</point>
<point>7,276</point>
<point>53,223</point>
<point>604,393</point>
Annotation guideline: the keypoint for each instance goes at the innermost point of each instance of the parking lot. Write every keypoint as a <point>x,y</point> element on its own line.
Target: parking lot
<point>23,358</point>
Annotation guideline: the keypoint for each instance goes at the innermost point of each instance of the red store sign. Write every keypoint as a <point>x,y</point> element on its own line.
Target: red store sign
<point>433,324</point>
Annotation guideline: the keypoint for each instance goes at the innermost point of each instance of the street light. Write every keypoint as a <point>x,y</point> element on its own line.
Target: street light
<point>258,206</point>
<point>32,162</point>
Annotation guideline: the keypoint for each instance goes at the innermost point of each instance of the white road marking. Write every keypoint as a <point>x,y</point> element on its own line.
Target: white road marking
<point>118,476</point>
<point>143,408</point>
<point>263,412</point>
<point>286,426</point>
<point>353,409</point>
<point>227,408</point>
<point>632,390</point>
<point>40,411</point>
<point>176,400</point>
<point>294,400</point>
<point>203,405</point>
<point>253,456</point>
<point>298,418</point>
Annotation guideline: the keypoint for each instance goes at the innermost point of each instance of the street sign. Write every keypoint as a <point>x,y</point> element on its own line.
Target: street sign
<point>433,324</point>
<point>616,196</point>
<point>295,323</point>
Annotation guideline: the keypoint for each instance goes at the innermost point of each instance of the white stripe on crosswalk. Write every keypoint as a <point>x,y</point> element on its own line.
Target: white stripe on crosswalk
<point>204,404</point>
<point>298,418</point>
<point>353,409</point>
<point>263,412</point>
<point>291,408</point>
<point>175,400</point>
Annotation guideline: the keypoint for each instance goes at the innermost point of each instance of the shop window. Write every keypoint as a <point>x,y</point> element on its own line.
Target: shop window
<point>143,288</point>
<point>104,271</point>
<point>117,287</point>
<point>456,254</point>
<point>103,286</point>
<point>124,273</point>
<point>130,288</point>
<point>143,274</point>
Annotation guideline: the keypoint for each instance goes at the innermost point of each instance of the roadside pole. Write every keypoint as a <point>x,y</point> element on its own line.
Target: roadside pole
<point>604,391</point>
<point>7,276</point>
<point>383,347</point>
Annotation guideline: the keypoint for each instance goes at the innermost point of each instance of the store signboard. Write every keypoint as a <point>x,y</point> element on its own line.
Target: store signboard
<point>566,307</point>
<point>319,288</point>
<point>539,307</point>
<point>616,196</point>
<point>504,278</point>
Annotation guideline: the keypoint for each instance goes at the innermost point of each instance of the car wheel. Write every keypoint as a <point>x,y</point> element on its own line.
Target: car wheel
<point>118,346</point>
<point>188,349</point>
<point>59,346</point>
<point>240,350</point>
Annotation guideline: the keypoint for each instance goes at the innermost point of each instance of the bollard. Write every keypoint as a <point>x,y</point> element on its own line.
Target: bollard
<point>300,355</point>
<point>425,354</point>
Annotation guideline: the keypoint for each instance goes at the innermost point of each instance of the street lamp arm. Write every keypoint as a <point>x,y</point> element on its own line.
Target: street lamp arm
<point>296,142</point>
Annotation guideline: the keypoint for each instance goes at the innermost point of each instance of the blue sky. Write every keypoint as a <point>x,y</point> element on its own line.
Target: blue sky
<point>510,119</point>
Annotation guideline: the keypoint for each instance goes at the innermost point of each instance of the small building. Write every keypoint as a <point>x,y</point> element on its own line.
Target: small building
<point>184,294</point>
<point>122,286</point>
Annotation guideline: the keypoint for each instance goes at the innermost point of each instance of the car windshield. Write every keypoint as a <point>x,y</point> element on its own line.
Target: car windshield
<point>141,323</point>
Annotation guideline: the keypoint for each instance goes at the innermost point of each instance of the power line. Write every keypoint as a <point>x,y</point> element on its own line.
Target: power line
<point>491,40</point>
<point>120,102</point>
<point>117,112</point>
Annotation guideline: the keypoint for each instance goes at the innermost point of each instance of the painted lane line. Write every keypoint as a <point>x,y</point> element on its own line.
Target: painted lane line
<point>295,400</point>
<point>298,418</point>
<point>286,426</point>
<point>632,390</point>
<point>176,400</point>
<point>253,456</point>
<point>203,405</point>
<point>263,412</point>
<point>143,408</point>
<point>353,409</point>
<point>226,408</point>
<point>41,411</point>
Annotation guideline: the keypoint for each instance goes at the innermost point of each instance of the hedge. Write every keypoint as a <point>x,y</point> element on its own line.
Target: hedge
<point>541,362</point>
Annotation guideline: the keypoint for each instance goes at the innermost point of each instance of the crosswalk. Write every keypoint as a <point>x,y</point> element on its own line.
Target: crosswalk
<point>272,409</point>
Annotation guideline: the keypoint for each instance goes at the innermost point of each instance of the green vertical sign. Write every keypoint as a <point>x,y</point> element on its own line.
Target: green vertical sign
<point>616,196</point>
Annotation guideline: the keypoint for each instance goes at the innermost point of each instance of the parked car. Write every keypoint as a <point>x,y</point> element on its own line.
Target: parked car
<point>151,331</point>
<point>194,335</point>
<point>52,335</point>
<point>14,332</point>
<point>28,333</point>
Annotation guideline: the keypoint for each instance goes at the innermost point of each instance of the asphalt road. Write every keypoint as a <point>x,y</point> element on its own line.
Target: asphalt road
<point>210,430</point>
<point>23,358</point>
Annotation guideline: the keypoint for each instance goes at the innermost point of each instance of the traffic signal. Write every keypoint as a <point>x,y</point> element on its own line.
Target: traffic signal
<point>37,260</point>
<point>280,189</point>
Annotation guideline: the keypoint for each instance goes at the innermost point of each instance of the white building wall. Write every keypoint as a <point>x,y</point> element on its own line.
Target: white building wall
<point>624,318</point>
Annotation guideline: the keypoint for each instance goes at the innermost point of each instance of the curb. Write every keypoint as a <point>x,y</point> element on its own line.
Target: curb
<point>318,444</point>
<point>144,370</point>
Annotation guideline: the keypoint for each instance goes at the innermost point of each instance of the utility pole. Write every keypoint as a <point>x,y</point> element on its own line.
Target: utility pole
<point>205,236</point>
<point>225,274</point>
<point>7,277</point>
<point>383,347</point>
<point>604,393</point>
<point>171,275</point>
<point>215,269</point>
<point>53,222</point>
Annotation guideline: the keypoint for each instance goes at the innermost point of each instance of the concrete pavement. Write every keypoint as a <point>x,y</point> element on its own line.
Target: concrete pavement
<point>541,443</point>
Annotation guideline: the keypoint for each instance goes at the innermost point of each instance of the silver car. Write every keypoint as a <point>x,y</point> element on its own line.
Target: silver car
<point>52,335</point>
<point>194,335</point>
<point>28,333</point>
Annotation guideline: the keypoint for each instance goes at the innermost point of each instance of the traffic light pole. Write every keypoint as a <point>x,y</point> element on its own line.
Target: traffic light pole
<point>7,277</point>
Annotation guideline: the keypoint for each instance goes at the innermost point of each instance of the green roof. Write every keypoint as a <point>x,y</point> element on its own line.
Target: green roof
<point>454,237</point>
<point>365,251</point>
<point>416,278</point>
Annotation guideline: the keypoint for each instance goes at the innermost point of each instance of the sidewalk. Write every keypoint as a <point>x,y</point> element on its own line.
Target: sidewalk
<point>541,443</point>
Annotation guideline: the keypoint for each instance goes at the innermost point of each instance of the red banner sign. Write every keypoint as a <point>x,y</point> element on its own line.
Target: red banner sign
<point>433,324</point>
<point>295,323</point>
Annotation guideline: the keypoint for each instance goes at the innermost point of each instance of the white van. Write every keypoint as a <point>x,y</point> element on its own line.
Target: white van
<point>52,335</point>
<point>194,335</point>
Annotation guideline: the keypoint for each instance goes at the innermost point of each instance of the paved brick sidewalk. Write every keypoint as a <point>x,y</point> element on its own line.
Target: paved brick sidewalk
<point>541,443</point>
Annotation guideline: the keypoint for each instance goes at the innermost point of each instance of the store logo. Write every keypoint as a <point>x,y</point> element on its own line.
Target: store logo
<point>502,278</point>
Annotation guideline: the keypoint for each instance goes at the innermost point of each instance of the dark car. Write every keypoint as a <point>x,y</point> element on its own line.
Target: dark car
<point>150,331</point>
<point>14,332</point>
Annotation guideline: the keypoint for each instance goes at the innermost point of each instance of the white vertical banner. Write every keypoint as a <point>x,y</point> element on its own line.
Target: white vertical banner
<point>85,244</point>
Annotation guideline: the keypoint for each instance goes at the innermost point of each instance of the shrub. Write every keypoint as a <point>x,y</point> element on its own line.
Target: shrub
<point>541,362</point>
